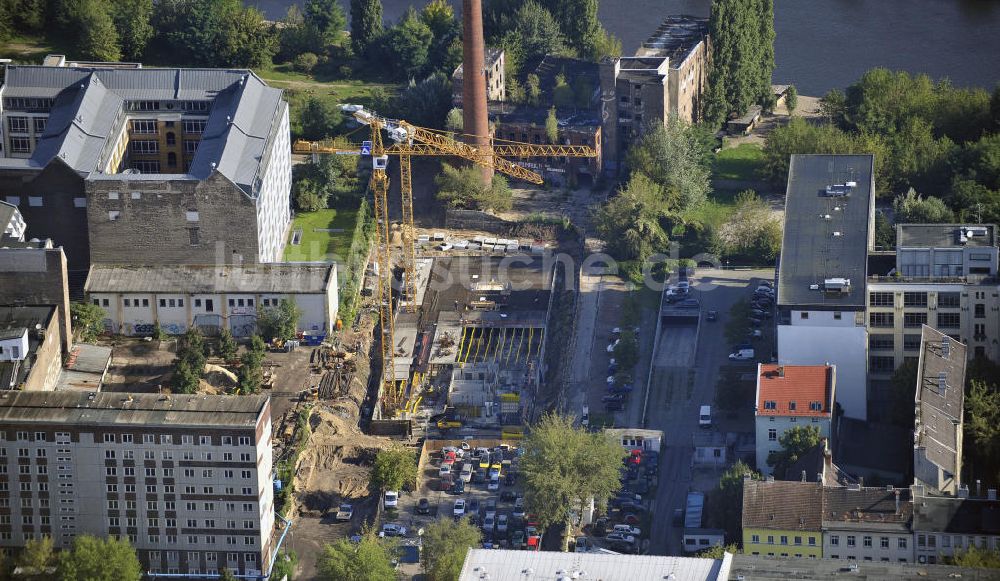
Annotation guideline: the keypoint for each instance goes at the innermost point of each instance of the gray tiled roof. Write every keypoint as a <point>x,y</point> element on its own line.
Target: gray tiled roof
<point>854,504</point>
<point>274,278</point>
<point>956,515</point>
<point>88,102</point>
<point>939,407</point>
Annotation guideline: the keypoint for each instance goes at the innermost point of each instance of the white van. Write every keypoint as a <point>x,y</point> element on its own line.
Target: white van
<point>705,416</point>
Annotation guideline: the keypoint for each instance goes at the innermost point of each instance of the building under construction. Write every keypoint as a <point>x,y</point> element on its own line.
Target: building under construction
<point>477,338</point>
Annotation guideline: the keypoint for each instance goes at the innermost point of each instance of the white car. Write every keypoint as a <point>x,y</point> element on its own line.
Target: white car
<point>391,499</point>
<point>621,538</point>
<point>466,474</point>
<point>345,512</point>
<point>489,523</point>
<point>626,530</point>
<point>742,355</point>
<point>518,507</point>
<point>445,471</point>
<point>502,523</point>
<point>459,507</point>
<point>611,346</point>
<point>494,483</point>
<point>392,530</point>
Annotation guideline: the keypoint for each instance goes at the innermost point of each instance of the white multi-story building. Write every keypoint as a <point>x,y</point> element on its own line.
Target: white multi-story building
<point>186,478</point>
<point>212,297</point>
<point>867,524</point>
<point>944,525</point>
<point>789,396</point>
<point>822,272</point>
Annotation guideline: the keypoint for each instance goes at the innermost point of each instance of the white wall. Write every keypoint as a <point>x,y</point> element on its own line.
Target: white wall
<point>823,319</point>
<point>843,346</point>
<point>782,424</point>
<point>274,196</point>
<point>8,346</point>
<point>893,553</point>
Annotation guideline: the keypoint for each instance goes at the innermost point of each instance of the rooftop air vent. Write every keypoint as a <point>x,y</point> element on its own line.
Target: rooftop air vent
<point>842,285</point>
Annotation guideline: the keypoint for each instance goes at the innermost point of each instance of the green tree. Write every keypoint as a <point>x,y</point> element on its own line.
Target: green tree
<point>190,362</point>
<point>562,93</point>
<point>799,136</point>
<point>439,17</point>
<point>88,320</point>
<point>328,18</point>
<point>318,119</point>
<point>912,208</point>
<point>309,195</point>
<point>564,467</point>
<point>211,33</point>
<point>455,122</point>
<point>296,36</point>
<point>579,24</point>
<point>791,99</point>
<point>995,107</point>
<point>982,428</point>
<point>409,44</point>
<point>185,378</point>
<point>885,233</point>
<point>552,126</point>
<point>425,103</point>
<point>306,62</point>
<point>833,105</point>
<point>533,89</point>
<point>226,575</point>
<point>537,32</point>
<point>718,551</point>
<point>366,24</point>
<point>38,555</point>
<point>394,469</point>
<point>227,346</point>
<point>445,545</point>
<point>752,231</point>
<point>249,40</point>
<point>742,33</point>
<point>627,350</point>
<point>977,558</point>
<point>98,37</point>
<point>902,393</point>
<point>369,560</point>
<point>284,565</point>
<point>132,19</point>
<point>463,188</point>
<point>673,155</point>
<point>794,443</point>
<point>94,559</point>
<point>629,223</point>
<point>250,375</point>
<point>280,322</point>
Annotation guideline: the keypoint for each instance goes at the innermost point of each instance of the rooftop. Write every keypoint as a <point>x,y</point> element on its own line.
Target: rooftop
<point>278,278</point>
<point>781,504</point>
<point>795,390</point>
<point>940,397</point>
<point>945,235</point>
<point>490,57</point>
<point>675,38</point>
<point>949,514</point>
<point>828,226</point>
<point>503,565</point>
<point>852,505</point>
<point>85,368</point>
<point>580,75</point>
<point>139,410</point>
<point>873,447</point>
<point>90,104</point>
<point>759,568</point>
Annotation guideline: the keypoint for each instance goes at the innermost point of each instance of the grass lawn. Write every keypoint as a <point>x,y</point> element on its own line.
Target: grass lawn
<point>27,49</point>
<point>299,87</point>
<point>738,163</point>
<point>319,245</point>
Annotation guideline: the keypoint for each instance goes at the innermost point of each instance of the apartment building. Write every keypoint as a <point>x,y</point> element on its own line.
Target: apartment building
<point>666,77</point>
<point>30,348</point>
<point>495,72</point>
<point>186,478</point>
<point>789,396</point>
<point>944,276</point>
<point>944,525</point>
<point>822,271</point>
<point>939,403</point>
<point>147,166</point>
<point>867,524</point>
<point>211,298</point>
<point>782,519</point>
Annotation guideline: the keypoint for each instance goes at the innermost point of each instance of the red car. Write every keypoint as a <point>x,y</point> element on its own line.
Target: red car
<point>444,484</point>
<point>635,457</point>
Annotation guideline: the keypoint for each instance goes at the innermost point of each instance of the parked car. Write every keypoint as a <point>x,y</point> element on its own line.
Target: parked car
<point>474,507</point>
<point>611,346</point>
<point>466,474</point>
<point>491,506</point>
<point>390,499</point>
<point>502,523</point>
<point>518,511</point>
<point>689,304</point>
<point>458,487</point>
<point>393,530</point>
<point>620,537</point>
<point>705,416</point>
<point>424,506</point>
<point>494,483</point>
<point>712,316</point>
<point>444,471</point>
<point>345,512</point>
<point>582,545</point>
<point>743,354</point>
<point>626,530</point>
<point>508,495</point>
<point>459,510</point>
<point>634,457</point>
<point>489,523</point>
<point>623,388</point>
<point>517,539</point>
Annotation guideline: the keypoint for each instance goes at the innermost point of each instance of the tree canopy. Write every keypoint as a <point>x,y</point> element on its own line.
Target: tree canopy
<point>280,322</point>
<point>371,559</point>
<point>462,187</point>
<point>94,559</point>
<point>211,33</point>
<point>88,320</point>
<point>394,469</point>
<point>630,222</point>
<point>675,156</point>
<point>366,24</point>
<point>742,33</point>
<point>445,545</point>
<point>794,443</point>
<point>752,232</point>
<point>912,208</point>
<point>565,466</point>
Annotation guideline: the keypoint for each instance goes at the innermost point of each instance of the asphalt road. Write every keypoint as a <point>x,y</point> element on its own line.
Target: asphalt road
<point>681,382</point>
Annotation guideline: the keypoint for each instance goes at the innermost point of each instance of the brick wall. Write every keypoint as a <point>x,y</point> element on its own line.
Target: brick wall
<point>154,228</point>
<point>37,276</point>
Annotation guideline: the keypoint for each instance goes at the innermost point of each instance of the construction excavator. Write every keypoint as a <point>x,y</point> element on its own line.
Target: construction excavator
<point>409,140</point>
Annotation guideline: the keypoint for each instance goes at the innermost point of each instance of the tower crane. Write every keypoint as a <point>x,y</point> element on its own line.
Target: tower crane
<point>410,140</point>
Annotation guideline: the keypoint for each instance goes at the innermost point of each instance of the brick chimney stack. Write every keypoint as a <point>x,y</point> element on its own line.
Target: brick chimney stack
<point>474,111</point>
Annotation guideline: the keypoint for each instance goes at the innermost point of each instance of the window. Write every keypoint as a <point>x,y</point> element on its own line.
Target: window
<point>194,126</point>
<point>190,146</point>
<point>914,299</point>
<point>147,126</point>
<point>949,320</point>
<point>901,542</point>
<point>804,314</point>
<point>772,435</point>
<point>146,166</point>
<point>13,200</point>
<point>40,123</point>
<point>17,124</point>
<point>35,201</point>
<point>912,342</point>
<point>980,308</point>
<point>171,159</point>
<point>812,541</point>
<point>755,539</point>
<point>20,145</point>
<point>914,320</point>
<point>881,320</point>
<point>881,342</point>
<point>867,540</point>
<point>850,540</point>
<point>882,363</point>
<point>879,299</point>
<point>171,138</point>
<point>145,147</point>
<point>948,300</point>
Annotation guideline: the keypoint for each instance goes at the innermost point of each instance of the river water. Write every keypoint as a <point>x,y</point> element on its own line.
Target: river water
<point>823,44</point>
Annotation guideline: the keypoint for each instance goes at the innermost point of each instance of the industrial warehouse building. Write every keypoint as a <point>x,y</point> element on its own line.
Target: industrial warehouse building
<point>211,297</point>
<point>186,478</point>
<point>147,166</point>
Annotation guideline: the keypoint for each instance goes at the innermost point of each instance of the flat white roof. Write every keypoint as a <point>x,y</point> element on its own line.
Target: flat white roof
<point>498,565</point>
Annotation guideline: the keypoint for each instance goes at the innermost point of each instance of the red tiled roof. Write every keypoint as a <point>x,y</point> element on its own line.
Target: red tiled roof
<point>802,384</point>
